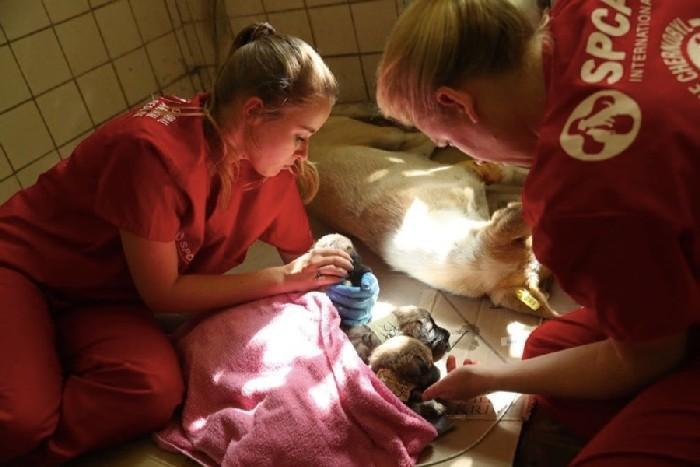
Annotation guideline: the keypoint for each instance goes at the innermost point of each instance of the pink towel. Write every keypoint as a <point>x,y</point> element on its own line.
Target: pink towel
<point>277,383</point>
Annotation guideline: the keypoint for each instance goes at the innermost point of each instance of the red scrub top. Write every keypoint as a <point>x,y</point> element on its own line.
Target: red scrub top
<point>614,194</point>
<point>147,172</point>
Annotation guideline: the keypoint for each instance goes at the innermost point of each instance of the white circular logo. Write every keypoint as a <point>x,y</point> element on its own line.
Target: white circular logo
<point>693,49</point>
<point>604,125</point>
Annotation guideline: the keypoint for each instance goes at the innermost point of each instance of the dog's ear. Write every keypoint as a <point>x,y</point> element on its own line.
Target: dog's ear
<point>524,300</point>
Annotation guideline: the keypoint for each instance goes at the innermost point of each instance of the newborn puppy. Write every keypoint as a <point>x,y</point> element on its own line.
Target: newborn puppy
<point>419,323</point>
<point>401,349</point>
<point>342,242</point>
<point>409,321</point>
<point>406,366</point>
<point>408,360</point>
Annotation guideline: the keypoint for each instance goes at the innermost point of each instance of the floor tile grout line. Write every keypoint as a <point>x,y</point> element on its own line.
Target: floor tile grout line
<point>477,333</point>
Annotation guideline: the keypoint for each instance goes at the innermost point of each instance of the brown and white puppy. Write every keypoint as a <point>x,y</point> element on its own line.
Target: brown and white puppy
<point>427,219</point>
<point>410,321</point>
<point>408,359</point>
<point>402,353</point>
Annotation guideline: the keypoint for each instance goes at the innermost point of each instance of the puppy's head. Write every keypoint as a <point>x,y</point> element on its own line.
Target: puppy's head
<point>363,339</point>
<point>341,242</point>
<point>408,358</point>
<point>419,324</point>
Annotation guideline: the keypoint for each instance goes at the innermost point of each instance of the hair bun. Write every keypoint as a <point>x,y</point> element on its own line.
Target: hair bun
<point>252,33</point>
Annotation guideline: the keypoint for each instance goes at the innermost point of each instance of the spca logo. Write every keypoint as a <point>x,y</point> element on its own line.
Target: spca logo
<point>603,126</point>
<point>680,52</point>
<point>183,248</point>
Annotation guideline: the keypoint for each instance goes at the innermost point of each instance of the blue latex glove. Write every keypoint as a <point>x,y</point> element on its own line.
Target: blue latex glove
<point>354,304</point>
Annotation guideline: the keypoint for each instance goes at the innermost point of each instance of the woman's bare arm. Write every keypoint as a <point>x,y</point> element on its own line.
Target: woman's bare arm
<point>601,370</point>
<point>154,269</point>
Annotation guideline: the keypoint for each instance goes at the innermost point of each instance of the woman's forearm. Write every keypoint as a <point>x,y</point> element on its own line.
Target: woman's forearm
<point>601,370</point>
<point>192,293</point>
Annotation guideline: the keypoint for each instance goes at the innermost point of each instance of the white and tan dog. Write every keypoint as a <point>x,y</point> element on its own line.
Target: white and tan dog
<point>427,219</point>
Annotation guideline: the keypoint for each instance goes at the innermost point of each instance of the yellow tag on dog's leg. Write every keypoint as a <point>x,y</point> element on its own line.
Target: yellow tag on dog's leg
<point>526,297</point>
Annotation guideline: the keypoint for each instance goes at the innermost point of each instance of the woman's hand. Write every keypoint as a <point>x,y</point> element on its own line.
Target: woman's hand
<point>463,383</point>
<point>317,268</point>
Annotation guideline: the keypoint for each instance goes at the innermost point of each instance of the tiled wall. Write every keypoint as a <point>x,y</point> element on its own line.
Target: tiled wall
<point>349,34</point>
<point>66,66</point>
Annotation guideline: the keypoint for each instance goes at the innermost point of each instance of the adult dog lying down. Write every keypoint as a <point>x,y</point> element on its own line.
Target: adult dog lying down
<point>426,219</point>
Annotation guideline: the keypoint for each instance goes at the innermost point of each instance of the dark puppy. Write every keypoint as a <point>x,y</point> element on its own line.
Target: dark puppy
<point>403,321</point>
<point>401,349</point>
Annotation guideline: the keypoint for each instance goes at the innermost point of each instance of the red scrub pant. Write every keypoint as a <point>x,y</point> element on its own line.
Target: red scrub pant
<point>659,426</point>
<point>78,380</point>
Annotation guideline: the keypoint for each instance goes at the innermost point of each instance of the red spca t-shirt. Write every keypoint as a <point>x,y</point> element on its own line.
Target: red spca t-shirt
<point>146,172</point>
<point>614,194</point>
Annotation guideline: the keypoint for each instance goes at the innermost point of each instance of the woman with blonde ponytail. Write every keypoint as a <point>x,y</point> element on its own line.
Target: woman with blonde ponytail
<point>600,100</point>
<point>145,217</point>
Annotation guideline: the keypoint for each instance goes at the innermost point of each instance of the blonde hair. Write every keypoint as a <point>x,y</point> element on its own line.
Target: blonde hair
<point>282,71</point>
<point>440,42</point>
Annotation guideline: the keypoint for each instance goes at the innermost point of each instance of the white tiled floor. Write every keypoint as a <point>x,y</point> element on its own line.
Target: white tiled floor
<point>478,331</point>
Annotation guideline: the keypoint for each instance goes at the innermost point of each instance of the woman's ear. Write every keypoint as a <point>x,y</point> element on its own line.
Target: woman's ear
<point>253,107</point>
<point>458,101</point>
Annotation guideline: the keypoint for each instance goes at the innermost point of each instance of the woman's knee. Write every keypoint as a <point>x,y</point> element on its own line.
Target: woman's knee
<point>153,387</point>
<point>25,423</point>
<point>164,394</point>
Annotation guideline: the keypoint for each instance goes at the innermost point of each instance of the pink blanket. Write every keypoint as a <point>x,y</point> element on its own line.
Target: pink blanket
<point>277,383</point>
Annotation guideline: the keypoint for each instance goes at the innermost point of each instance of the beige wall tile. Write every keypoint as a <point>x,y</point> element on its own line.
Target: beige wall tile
<point>67,149</point>
<point>184,10</point>
<point>102,93</point>
<point>277,5</point>
<point>64,9</point>
<point>13,89</point>
<point>97,3</point>
<point>194,43</point>
<point>8,188</point>
<point>369,65</point>
<point>21,17</point>
<point>41,60</point>
<point>174,12</point>
<point>243,7</point>
<point>23,135</point>
<point>185,47</point>
<point>5,168</point>
<point>199,9</point>
<point>166,60</point>
<point>237,24</point>
<point>151,17</point>
<point>373,21</point>
<point>3,39</point>
<point>136,76</point>
<point>294,23</point>
<point>206,41</point>
<point>118,28</point>
<point>180,88</point>
<point>333,30</point>
<point>206,77</point>
<point>82,43</point>
<point>348,72</point>
<point>225,43</point>
<point>312,3</point>
<point>64,112</point>
<point>29,175</point>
